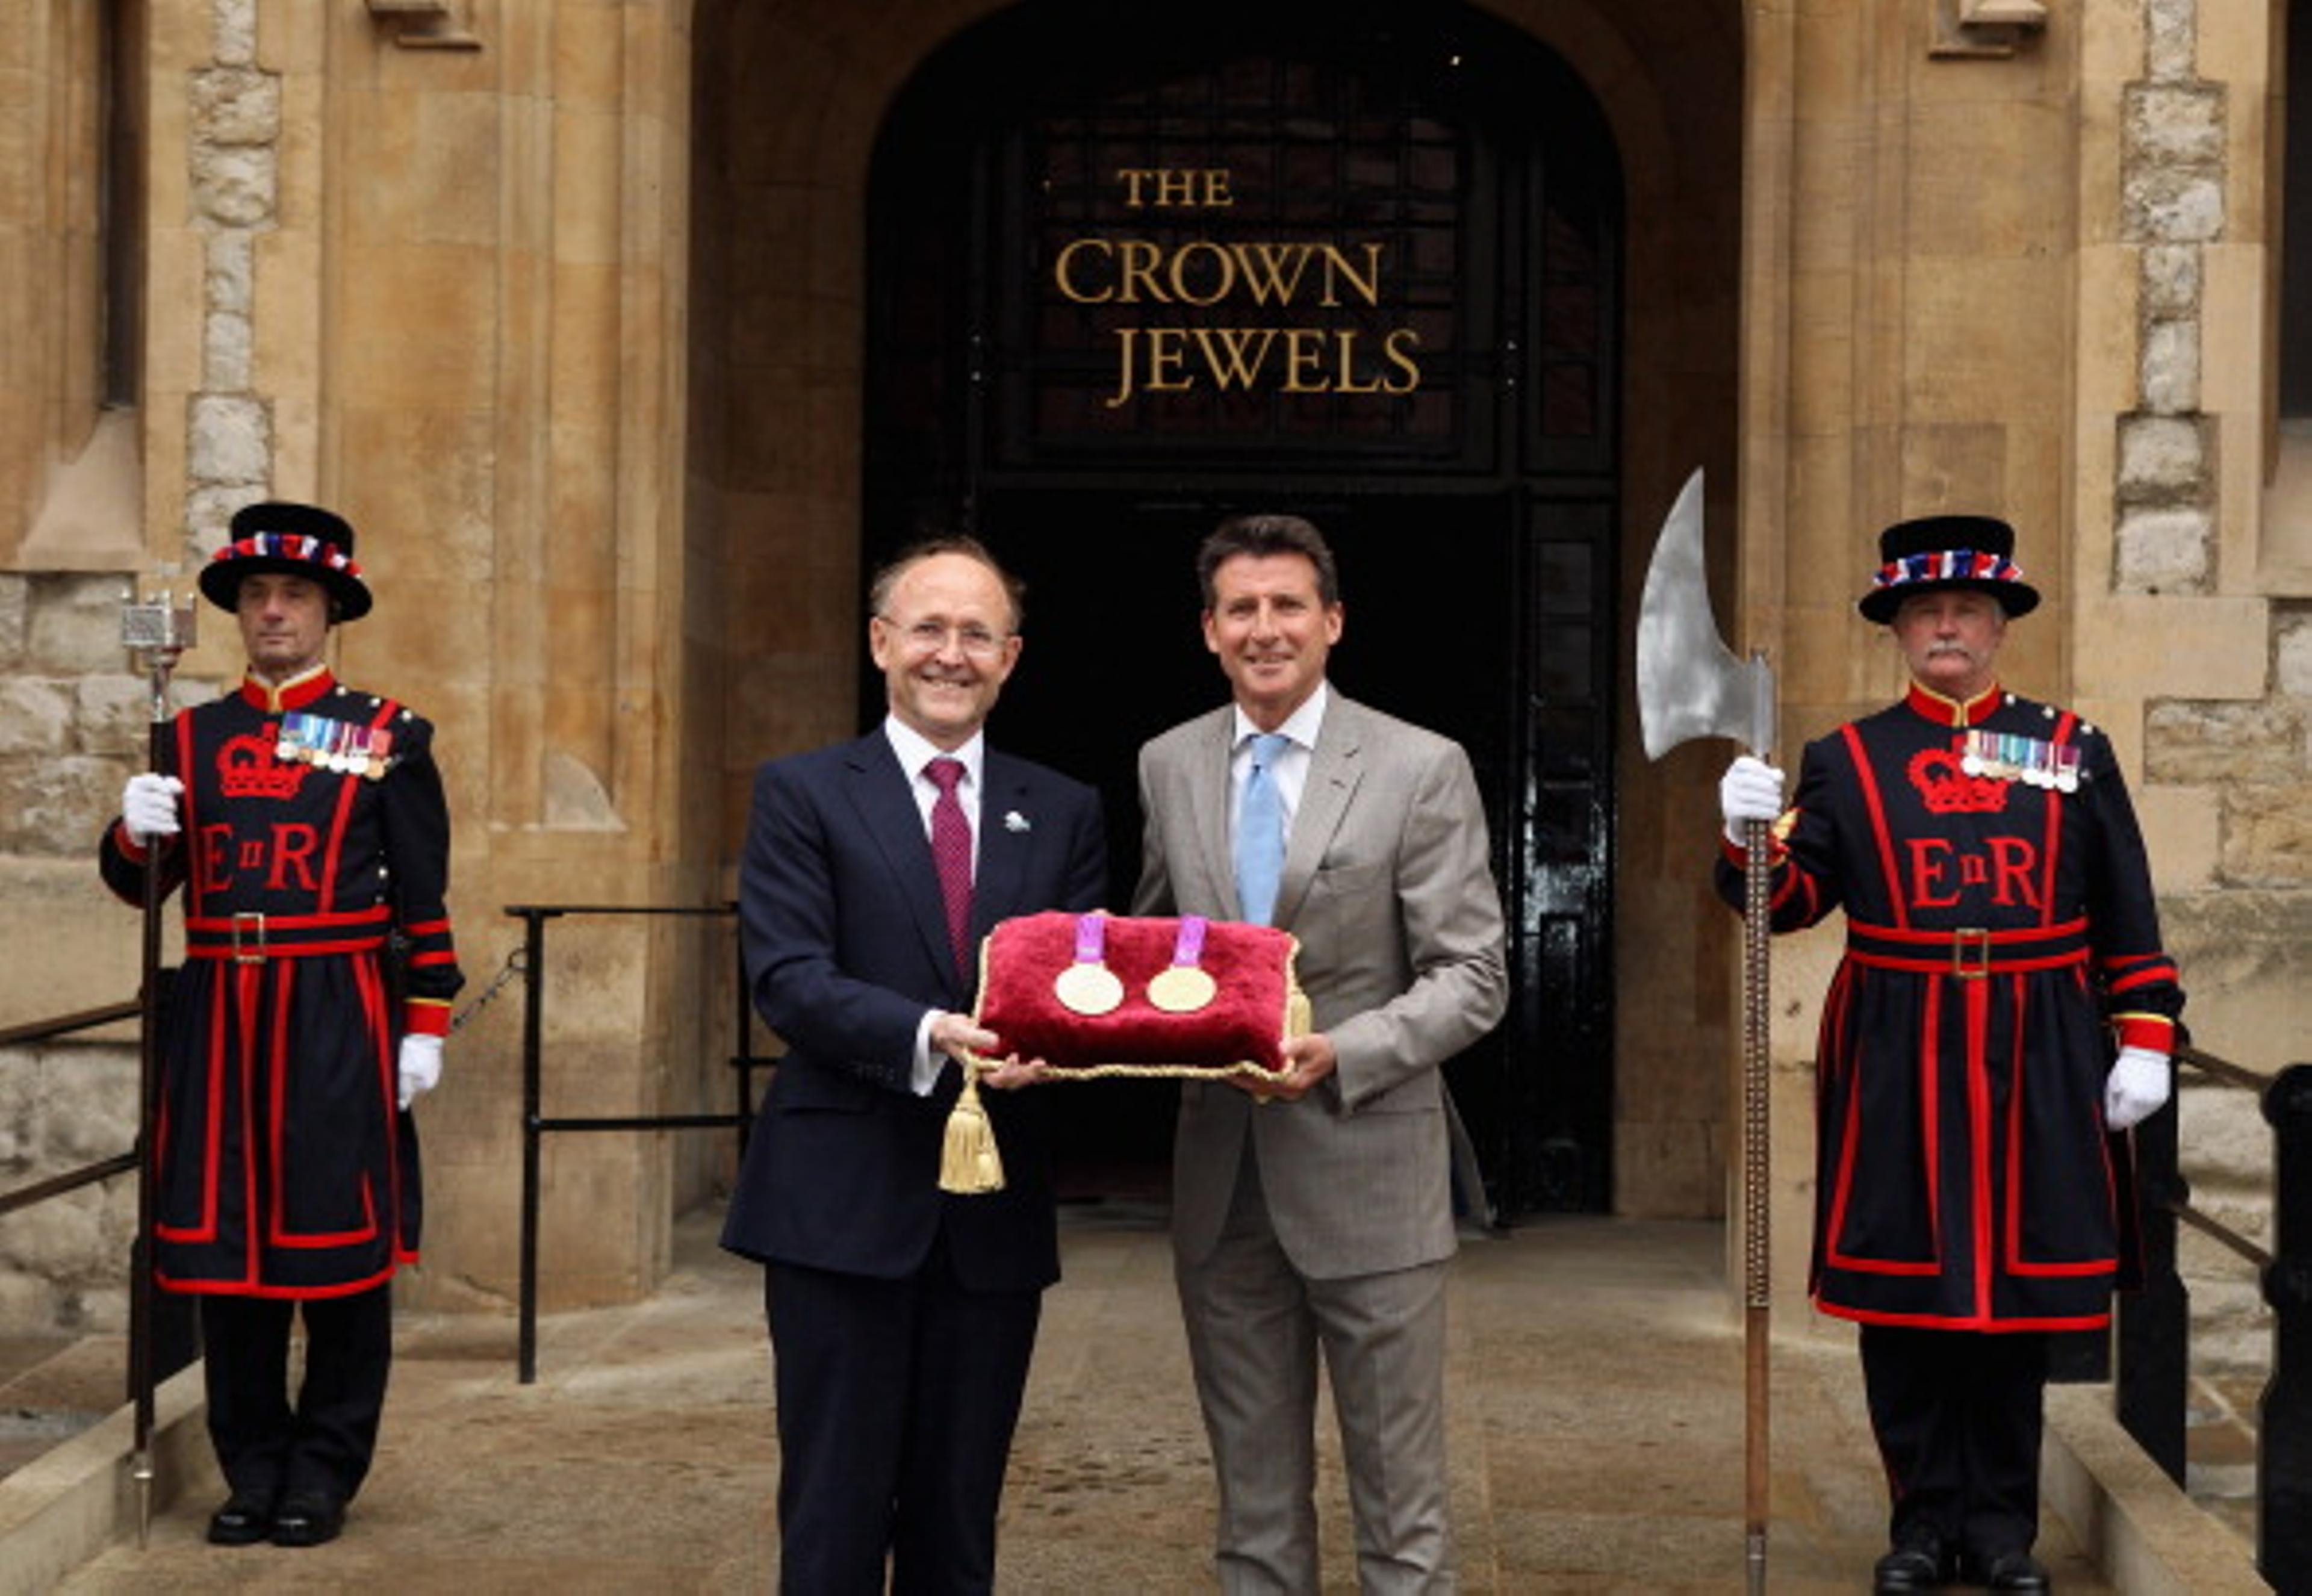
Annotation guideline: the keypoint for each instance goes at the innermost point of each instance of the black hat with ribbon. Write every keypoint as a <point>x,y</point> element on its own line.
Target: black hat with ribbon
<point>1943,551</point>
<point>294,540</point>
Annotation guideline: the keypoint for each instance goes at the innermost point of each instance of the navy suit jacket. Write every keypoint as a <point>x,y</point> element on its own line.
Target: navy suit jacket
<point>847,945</point>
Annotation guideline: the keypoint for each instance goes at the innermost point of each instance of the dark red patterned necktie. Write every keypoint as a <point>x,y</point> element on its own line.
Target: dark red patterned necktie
<point>951,852</point>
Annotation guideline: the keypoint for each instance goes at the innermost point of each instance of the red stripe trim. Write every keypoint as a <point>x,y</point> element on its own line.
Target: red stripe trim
<point>376,916</point>
<point>2054,821</point>
<point>447,957</point>
<point>276,1091</point>
<point>2150,978</point>
<point>195,888</point>
<point>1942,966</point>
<point>428,928</point>
<point>2018,1080</point>
<point>1931,1067</point>
<point>370,985</point>
<point>1981,1160</point>
<point>250,1288</point>
<point>1942,1321</point>
<point>1878,808</point>
<point>272,954</point>
<point>1942,938</point>
<point>252,1213</point>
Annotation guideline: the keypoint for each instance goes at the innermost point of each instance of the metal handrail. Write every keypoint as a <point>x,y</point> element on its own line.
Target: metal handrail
<point>168,1346</point>
<point>536,1124</point>
<point>2154,1335</point>
<point>87,1174</point>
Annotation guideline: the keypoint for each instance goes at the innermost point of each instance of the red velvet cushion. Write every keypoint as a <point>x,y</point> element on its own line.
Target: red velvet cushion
<point>1243,1027</point>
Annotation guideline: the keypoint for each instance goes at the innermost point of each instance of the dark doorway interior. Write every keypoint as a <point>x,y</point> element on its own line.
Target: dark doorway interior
<point>1473,517</point>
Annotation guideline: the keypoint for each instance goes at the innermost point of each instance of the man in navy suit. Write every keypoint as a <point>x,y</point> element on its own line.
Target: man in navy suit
<point>901,1316</point>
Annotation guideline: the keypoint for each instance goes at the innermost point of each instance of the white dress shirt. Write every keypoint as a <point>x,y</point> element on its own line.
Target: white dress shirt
<point>915,751</point>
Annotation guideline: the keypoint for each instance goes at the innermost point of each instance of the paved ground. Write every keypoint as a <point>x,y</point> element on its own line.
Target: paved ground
<point>1596,1436</point>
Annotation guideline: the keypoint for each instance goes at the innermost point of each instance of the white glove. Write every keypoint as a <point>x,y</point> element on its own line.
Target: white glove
<point>420,1066</point>
<point>148,807</point>
<point>1750,789</point>
<point>2137,1088</point>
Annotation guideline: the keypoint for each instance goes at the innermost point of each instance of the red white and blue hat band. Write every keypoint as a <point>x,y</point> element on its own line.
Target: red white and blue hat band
<point>291,546</point>
<point>1983,570</point>
<point>1946,565</point>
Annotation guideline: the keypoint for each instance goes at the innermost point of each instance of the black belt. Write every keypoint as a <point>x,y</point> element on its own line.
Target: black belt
<point>252,938</point>
<point>1968,951</point>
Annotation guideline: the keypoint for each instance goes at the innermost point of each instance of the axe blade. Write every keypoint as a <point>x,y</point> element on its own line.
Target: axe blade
<point>1690,685</point>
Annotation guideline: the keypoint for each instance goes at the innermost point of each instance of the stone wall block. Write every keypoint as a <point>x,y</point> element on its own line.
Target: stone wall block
<point>16,609</point>
<point>78,1241</point>
<point>2218,741</point>
<point>2268,835</point>
<point>19,1106</point>
<point>36,716</point>
<point>208,518</point>
<point>58,806</point>
<point>233,36</point>
<point>2292,653</point>
<point>235,185</point>
<point>232,442</point>
<point>225,347</point>
<point>88,1105</point>
<point>2163,206</point>
<point>75,625</point>
<point>2170,30</point>
<point>2163,551</point>
<point>113,715</point>
<point>2176,125</point>
<point>2171,367</point>
<point>235,106</point>
<point>228,277</point>
<point>2160,457</point>
<point>2171,281</point>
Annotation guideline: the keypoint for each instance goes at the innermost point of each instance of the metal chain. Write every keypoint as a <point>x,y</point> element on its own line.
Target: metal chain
<point>514,966</point>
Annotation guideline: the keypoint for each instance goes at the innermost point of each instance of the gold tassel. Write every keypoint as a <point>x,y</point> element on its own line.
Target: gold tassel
<point>969,1162</point>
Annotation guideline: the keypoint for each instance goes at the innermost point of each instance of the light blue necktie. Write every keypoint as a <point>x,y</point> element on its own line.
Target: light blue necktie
<point>1260,830</point>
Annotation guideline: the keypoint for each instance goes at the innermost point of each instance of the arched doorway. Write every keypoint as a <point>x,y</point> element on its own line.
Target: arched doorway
<point>1358,262</point>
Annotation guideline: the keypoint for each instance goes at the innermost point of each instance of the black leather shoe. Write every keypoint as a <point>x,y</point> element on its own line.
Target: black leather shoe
<point>2017,1571</point>
<point>245,1519</point>
<point>307,1519</point>
<point>1918,1563</point>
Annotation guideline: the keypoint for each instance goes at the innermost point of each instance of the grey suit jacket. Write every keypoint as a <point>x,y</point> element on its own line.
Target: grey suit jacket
<point>1389,887</point>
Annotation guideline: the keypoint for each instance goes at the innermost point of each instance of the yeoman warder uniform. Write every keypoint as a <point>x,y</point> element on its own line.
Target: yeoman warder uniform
<point>313,827</point>
<point>2001,941</point>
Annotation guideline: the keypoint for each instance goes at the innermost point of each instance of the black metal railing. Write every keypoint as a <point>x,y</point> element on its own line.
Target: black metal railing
<point>2155,1326</point>
<point>537,1124</point>
<point>171,1343</point>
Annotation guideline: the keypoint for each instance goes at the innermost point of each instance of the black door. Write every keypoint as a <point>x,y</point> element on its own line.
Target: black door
<point>1363,272</point>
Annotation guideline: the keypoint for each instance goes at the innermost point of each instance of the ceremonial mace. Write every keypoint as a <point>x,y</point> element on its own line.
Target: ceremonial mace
<point>1690,685</point>
<point>157,631</point>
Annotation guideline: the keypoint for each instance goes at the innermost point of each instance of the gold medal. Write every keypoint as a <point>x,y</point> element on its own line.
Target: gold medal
<point>1088,989</point>
<point>1181,989</point>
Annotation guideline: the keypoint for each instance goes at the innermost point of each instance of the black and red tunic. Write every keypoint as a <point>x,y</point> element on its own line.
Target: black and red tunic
<point>314,825</point>
<point>2000,940</point>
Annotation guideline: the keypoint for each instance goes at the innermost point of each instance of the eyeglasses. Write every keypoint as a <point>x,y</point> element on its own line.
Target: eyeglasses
<point>930,636</point>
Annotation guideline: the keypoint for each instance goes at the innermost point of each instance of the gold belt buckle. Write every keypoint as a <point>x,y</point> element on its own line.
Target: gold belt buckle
<point>1971,943</point>
<point>249,937</point>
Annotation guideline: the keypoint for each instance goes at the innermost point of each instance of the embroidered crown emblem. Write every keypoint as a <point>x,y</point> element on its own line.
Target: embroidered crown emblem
<point>246,768</point>
<point>1950,790</point>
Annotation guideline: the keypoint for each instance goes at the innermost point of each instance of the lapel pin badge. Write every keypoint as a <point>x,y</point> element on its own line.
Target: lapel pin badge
<point>1014,820</point>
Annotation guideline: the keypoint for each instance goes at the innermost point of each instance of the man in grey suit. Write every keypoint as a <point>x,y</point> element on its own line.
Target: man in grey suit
<point>1316,1211</point>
